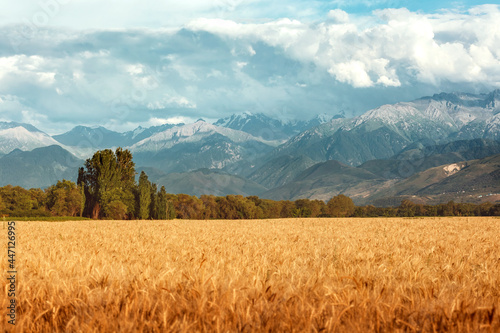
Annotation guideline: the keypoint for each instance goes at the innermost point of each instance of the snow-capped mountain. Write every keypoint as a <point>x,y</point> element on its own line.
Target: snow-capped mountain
<point>384,131</point>
<point>263,126</point>
<point>100,137</point>
<point>22,136</point>
<point>274,152</point>
<point>92,137</point>
<point>141,133</point>
<point>258,125</point>
<point>193,133</point>
<point>200,145</point>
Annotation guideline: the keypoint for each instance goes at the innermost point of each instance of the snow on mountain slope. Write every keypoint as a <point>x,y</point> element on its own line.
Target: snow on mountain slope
<point>21,138</point>
<point>492,129</point>
<point>193,133</point>
<point>380,131</point>
<point>261,125</point>
<point>238,121</point>
<point>258,125</point>
<point>94,137</point>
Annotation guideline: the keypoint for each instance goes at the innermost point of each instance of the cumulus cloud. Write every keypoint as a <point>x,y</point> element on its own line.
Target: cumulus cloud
<point>210,68</point>
<point>456,47</point>
<point>338,16</point>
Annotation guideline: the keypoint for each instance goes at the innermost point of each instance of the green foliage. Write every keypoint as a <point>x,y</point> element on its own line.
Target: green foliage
<point>287,208</point>
<point>236,207</point>
<point>309,208</point>
<point>144,197</point>
<point>188,207</point>
<point>210,206</point>
<point>162,204</point>
<point>270,209</point>
<point>165,209</point>
<point>17,201</point>
<point>117,210</point>
<point>495,210</point>
<point>64,199</point>
<point>38,198</point>
<point>406,209</point>
<point>82,200</point>
<point>108,176</point>
<point>170,213</point>
<point>153,206</point>
<point>341,206</point>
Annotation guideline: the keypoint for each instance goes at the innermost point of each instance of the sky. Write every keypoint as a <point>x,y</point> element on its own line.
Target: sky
<point>128,63</point>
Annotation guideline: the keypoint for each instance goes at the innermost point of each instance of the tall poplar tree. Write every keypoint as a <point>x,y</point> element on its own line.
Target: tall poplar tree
<point>144,196</point>
<point>108,177</point>
<point>166,209</point>
<point>153,207</point>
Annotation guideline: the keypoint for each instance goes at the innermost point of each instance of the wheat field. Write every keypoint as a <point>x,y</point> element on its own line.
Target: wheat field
<point>292,275</point>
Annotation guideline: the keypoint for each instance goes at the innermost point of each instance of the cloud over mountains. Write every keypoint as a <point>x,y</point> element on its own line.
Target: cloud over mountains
<point>211,63</point>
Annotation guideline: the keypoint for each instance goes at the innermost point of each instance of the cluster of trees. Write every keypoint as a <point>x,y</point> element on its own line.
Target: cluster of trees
<point>62,199</point>
<point>408,208</point>
<point>107,189</point>
<point>110,191</point>
<point>252,207</point>
<point>108,184</point>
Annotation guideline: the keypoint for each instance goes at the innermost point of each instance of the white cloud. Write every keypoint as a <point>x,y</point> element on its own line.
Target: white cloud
<point>338,16</point>
<point>251,51</point>
<point>214,67</point>
<point>7,65</point>
<point>241,64</point>
<point>352,72</point>
<point>35,69</point>
<point>455,47</point>
<point>135,69</point>
<point>171,101</point>
<point>172,120</point>
<point>34,118</point>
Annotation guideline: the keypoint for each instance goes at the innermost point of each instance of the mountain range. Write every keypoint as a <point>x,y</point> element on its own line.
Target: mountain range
<point>388,153</point>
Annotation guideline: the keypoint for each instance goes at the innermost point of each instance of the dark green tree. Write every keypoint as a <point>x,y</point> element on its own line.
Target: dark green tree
<point>153,206</point>
<point>64,199</point>
<point>407,208</point>
<point>166,209</point>
<point>82,196</point>
<point>144,197</point>
<point>340,206</point>
<point>18,201</point>
<point>171,213</point>
<point>210,204</point>
<point>117,210</point>
<point>162,204</point>
<point>106,177</point>
<point>287,208</point>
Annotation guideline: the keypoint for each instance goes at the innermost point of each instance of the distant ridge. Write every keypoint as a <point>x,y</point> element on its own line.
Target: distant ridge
<point>22,136</point>
<point>38,168</point>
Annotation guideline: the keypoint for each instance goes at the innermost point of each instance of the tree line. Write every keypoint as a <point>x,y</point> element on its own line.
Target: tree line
<point>106,189</point>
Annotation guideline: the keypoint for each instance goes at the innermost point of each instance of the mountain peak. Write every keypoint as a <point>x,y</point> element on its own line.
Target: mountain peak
<point>22,136</point>
<point>262,125</point>
<point>13,124</point>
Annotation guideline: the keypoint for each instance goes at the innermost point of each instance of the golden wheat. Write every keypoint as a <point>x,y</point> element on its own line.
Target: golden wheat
<point>346,275</point>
